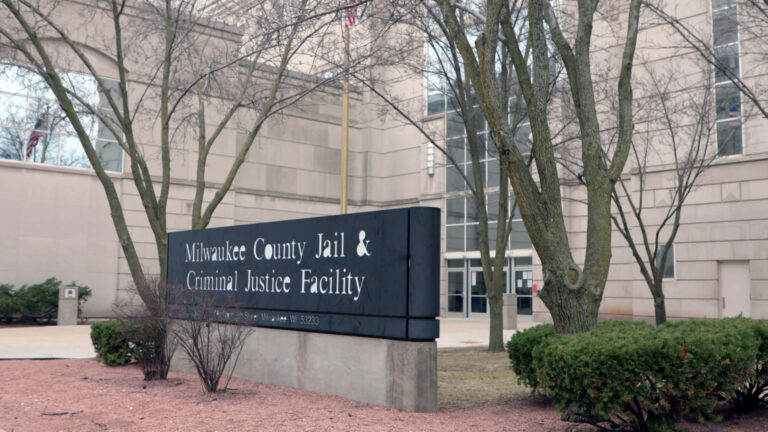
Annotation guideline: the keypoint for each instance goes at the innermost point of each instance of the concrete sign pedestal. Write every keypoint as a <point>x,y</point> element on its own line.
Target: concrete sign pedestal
<point>67,314</point>
<point>392,373</point>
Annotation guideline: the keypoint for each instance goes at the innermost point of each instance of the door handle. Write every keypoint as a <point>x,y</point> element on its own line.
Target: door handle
<point>723,302</point>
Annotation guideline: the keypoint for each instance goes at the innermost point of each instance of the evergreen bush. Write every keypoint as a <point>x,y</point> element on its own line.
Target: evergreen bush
<point>753,393</point>
<point>35,303</point>
<point>520,349</point>
<point>112,342</point>
<point>632,376</point>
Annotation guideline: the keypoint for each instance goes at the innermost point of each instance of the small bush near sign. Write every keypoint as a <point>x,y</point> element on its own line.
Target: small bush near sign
<point>37,303</point>
<point>633,376</point>
<point>112,342</point>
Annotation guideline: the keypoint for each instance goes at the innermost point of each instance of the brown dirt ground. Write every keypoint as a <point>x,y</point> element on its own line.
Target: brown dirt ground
<point>84,395</point>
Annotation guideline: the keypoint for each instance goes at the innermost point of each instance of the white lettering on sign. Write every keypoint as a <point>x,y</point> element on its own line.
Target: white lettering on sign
<point>334,281</point>
<point>199,252</point>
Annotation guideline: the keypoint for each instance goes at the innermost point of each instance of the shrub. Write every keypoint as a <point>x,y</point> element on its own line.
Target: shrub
<point>520,349</point>
<point>633,376</point>
<point>753,394</point>
<point>150,347</point>
<point>147,329</point>
<point>38,303</point>
<point>8,308</point>
<point>111,342</point>
<point>210,341</point>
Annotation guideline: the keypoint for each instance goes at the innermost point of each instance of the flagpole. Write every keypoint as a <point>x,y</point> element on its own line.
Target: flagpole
<point>345,125</point>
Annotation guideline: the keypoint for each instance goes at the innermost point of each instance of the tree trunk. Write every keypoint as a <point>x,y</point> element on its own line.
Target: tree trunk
<point>495,308</point>
<point>572,310</point>
<point>659,305</point>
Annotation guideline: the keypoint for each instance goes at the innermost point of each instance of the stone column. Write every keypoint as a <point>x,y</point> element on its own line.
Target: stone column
<point>67,315</point>
<point>509,314</point>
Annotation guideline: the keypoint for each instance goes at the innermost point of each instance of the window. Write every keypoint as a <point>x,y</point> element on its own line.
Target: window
<point>461,212</point>
<point>669,270</point>
<point>725,37</point>
<point>34,129</point>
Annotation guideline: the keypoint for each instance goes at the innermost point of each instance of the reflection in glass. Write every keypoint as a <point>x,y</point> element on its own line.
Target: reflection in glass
<point>473,243</point>
<point>11,143</point>
<point>46,151</point>
<point>454,125</point>
<point>13,79</point>
<point>13,110</point>
<point>456,291</point>
<point>725,26</point>
<point>728,56</point>
<point>456,149</point>
<point>471,210</point>
<point>492,201</point>
<point>456,283</point>
<point>479,291</point>
<point>493,172</point>
<point>455,303</point>
<point>72,153</point>
<point>34,128</point>
<point>729,137</point>
<point>454,181</point>
<point>728,101</point>
<point>524,305</point>
<point>109,154</point>
<point>454,238</point>
<point>454,210</point>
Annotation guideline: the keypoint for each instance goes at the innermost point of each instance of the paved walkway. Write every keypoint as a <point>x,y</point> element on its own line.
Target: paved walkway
<point>46,342</point>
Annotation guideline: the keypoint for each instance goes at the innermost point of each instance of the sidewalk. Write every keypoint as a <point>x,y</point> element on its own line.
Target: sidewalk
<point>49,342</point>
<point>462,332</point>
<point>46,342</point>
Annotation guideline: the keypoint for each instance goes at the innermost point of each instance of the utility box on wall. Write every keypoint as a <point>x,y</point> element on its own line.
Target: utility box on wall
<point>67,315</point>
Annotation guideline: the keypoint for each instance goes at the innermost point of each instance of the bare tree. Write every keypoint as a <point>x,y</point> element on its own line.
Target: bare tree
<point>444,65</point>
<point>678,127</point>
<point>170,72</point>
<point>571,293</point>
<point>747,18</point>
<point>210,345</point>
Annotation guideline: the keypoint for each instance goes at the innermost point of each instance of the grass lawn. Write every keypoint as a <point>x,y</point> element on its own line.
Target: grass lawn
<point>468,377</point>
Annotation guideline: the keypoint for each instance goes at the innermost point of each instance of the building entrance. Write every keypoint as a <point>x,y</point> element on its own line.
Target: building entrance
<point>468,294</point>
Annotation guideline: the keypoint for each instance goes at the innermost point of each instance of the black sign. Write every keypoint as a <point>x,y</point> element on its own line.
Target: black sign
<point>367,274</point>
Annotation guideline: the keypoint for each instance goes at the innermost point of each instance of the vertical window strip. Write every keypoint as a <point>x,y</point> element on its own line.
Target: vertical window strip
<point>725,37</point>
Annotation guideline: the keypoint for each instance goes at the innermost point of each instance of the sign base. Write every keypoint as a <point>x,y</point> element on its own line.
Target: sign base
<point>392,373</point>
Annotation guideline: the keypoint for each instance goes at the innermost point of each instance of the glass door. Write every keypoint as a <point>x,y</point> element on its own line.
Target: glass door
<point>524,290</point>
<point>478,296</point>
<point>456,289</point>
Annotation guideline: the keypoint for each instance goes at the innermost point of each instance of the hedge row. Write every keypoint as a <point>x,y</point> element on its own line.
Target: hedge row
<point>626,375</point>
<point>35,303</point>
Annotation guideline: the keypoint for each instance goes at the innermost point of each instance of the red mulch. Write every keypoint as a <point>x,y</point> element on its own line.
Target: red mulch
<point>84,395</point>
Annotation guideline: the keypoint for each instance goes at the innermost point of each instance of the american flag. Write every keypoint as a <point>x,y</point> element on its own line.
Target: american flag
<point>34,137</point>
<point>351,14</point>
